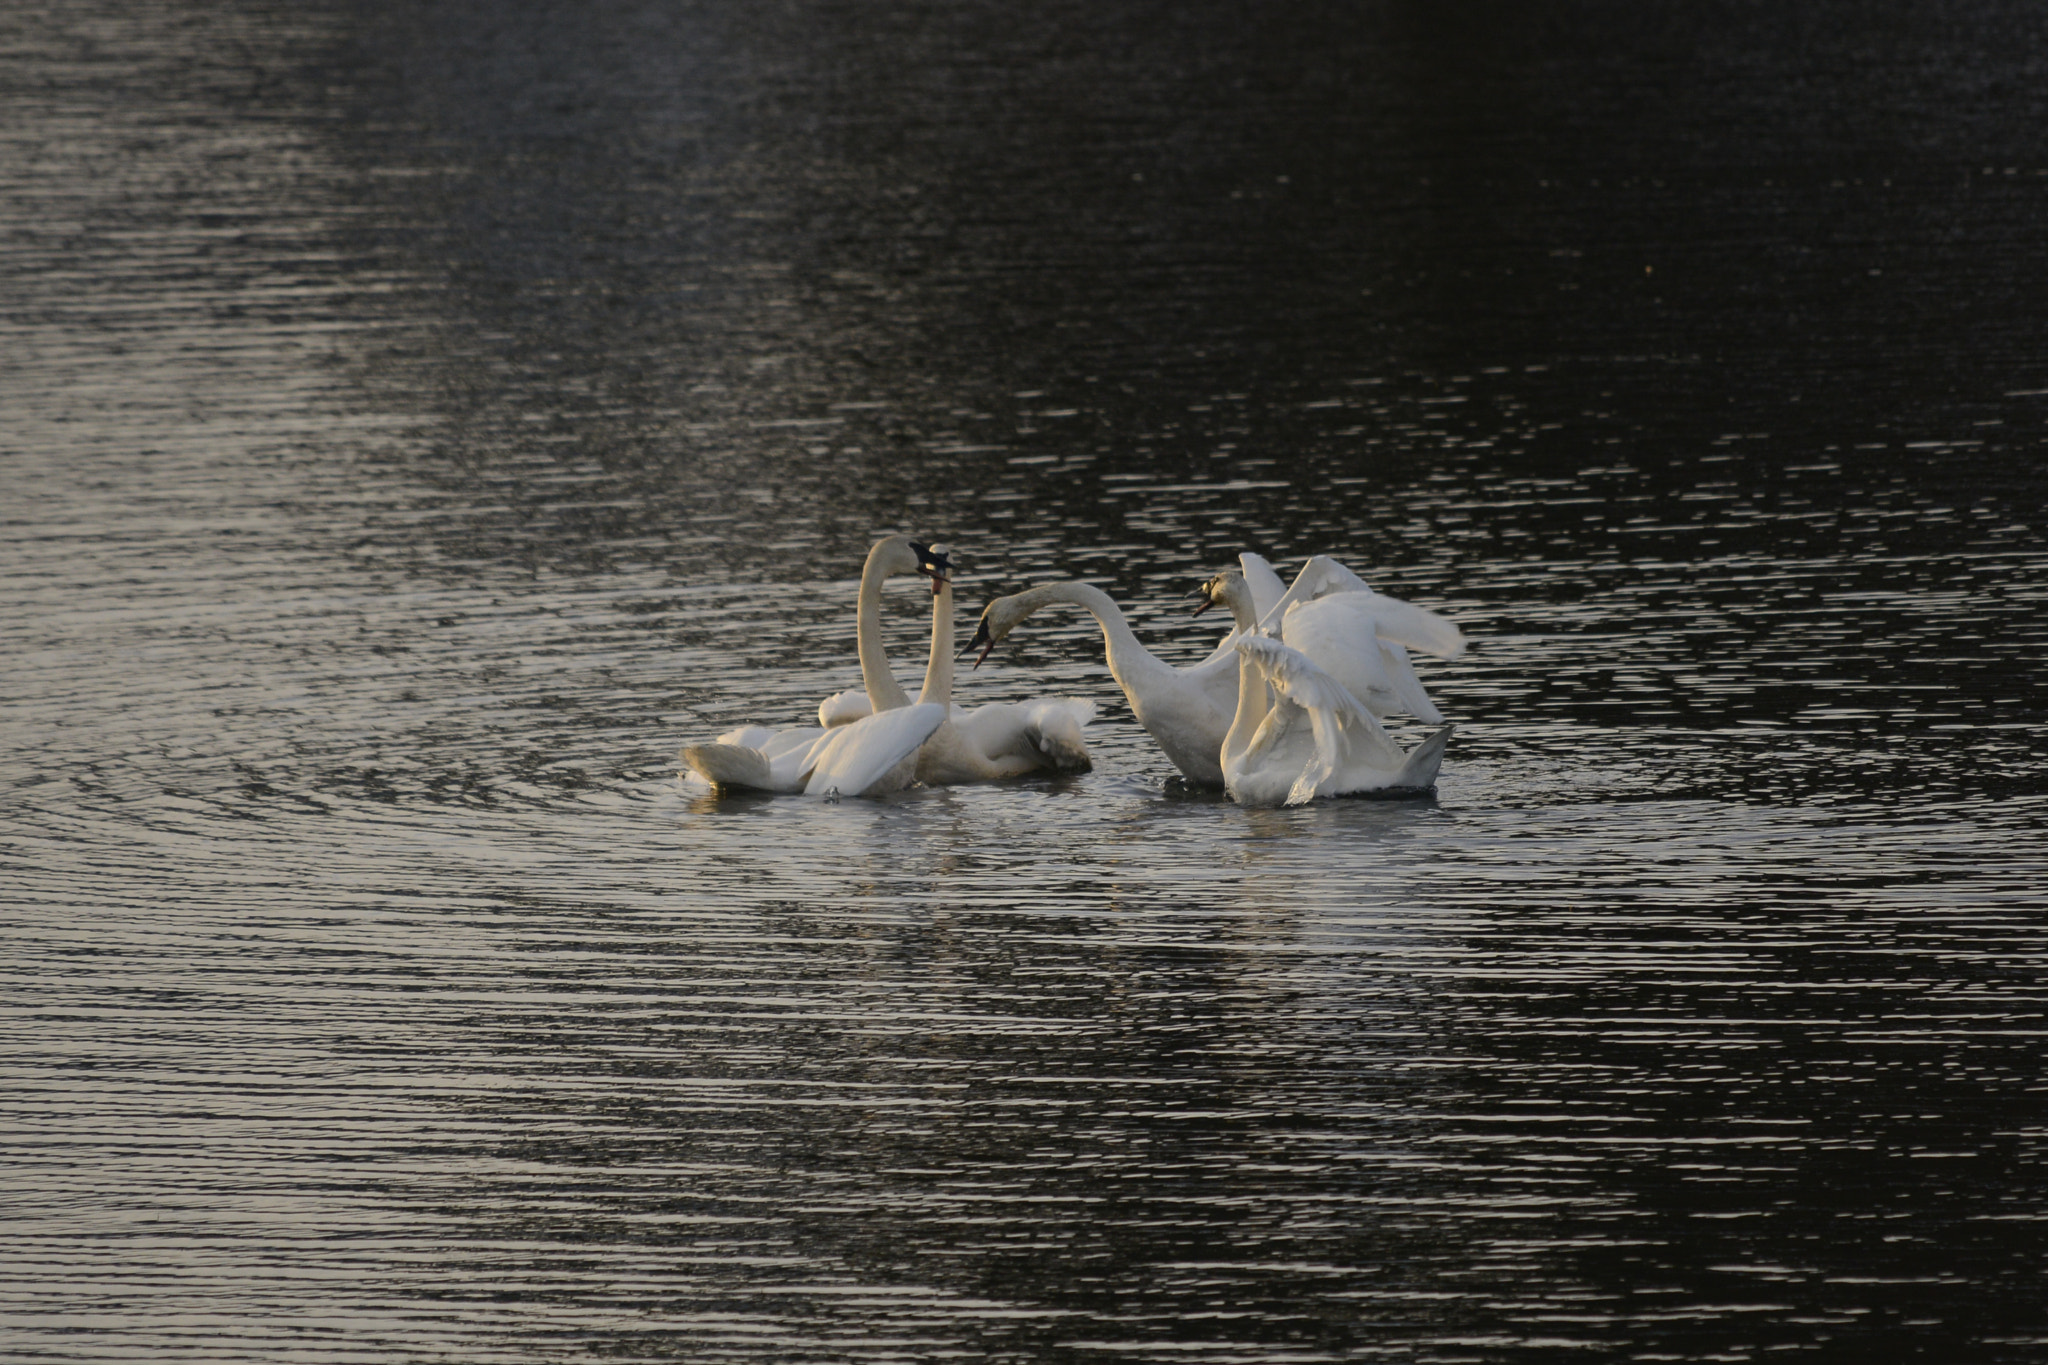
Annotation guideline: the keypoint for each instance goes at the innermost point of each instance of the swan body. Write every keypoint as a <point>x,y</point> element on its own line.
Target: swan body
<point>868,757</point>
<point>1299,734</point>
<point>998,740</point>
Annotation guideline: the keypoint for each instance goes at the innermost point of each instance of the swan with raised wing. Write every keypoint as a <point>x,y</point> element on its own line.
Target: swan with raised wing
<point>1188,711</point>
<point>1357,636</point>
<point>1299,734</point>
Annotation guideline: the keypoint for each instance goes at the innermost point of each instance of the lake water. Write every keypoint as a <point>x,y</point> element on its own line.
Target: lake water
<point>422,420</point>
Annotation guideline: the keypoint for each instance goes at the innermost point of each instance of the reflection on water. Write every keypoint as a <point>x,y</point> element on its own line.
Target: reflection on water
<point>420,423</point>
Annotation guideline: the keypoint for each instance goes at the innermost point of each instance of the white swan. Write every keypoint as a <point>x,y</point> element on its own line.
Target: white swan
<point>1298,734</point>
<point>864,755</point>
<point>1000,739</point>
<point>872,756</point>
<point>1187,711</point>
<point>1352,633</point>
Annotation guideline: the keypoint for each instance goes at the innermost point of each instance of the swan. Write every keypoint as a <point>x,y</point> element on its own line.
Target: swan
<point>1298,734</point>
<point>1352,633</point>
<point>997,740</point>
<point>868,757</point>
<point>846,754</point>
<point>989,743</point>
<point>1187,711</point>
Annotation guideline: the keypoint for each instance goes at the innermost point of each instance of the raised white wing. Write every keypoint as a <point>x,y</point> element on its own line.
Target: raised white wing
<point>1319,577</point>
<point>1337,632</point>
<point>1347,738</point>
<point>852,758</point>
<point>1265,584</point>
<point>1403,622</point>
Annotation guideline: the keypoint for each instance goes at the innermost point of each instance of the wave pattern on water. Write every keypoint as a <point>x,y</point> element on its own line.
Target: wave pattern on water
<point>373,987</point>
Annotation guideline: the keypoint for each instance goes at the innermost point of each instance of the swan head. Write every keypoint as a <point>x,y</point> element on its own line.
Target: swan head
<point>934,562</point>
<point>998,619</point>
<point>1221,591</point>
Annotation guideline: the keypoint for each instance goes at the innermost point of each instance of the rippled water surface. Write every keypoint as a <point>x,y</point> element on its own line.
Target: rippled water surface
<point>421,420</point>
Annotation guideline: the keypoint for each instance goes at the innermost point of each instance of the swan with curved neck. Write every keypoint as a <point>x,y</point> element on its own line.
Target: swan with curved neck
<point>1187,711</point>
<point>879,690</point>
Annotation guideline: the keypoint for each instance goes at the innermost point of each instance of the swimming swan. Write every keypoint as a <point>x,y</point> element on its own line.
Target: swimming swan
<point>1352,633</point>
<point>1299,734</point>
<point>1000,739</point>
<point>865,755</point>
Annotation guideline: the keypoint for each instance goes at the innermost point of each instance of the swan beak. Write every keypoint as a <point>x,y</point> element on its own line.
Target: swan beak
<point>983,639</point>
<point>933,563</point>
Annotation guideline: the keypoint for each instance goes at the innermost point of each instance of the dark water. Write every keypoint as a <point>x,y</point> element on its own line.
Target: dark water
<point>421,419</point>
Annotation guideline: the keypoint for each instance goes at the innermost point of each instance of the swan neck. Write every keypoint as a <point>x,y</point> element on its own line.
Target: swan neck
<point>1128,659</point>
<point>1244,612</point>
<point>884,692</point>
<point>1252,705</point>
<point>938,670</point>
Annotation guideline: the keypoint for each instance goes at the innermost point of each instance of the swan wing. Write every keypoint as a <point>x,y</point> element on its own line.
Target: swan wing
<point>1323,575</point>
<point>1265,584</point>
<point>1339,638</point>
<point>1351,735</point>
<point>1403,622</point>
<point>1319,577</point>
<point>853,759</point>
<point>1407,687</point>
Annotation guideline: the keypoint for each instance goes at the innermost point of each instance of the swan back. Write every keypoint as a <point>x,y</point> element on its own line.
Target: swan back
<point>872,756</point>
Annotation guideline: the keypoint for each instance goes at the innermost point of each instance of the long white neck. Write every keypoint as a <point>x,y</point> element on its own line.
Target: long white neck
<point>1237,595</point>
<point>884,692</point>
<point>938,670</point>
<point>1130,663</point>
<point>1252,705</point>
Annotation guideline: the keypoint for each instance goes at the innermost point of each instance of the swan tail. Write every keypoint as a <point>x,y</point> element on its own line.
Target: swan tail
<point>844,708</point>
<point>1054,730</point>
<point>731,765</point>
<point>871,756</point>
<point>1419,772</point>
